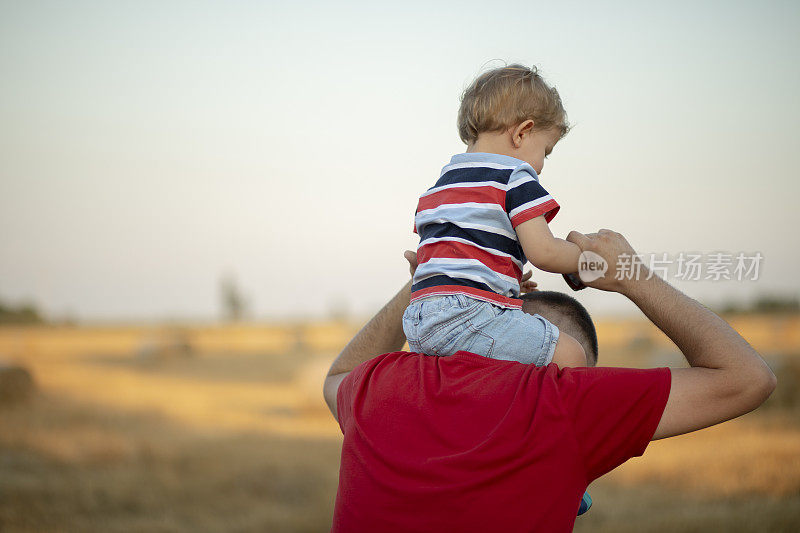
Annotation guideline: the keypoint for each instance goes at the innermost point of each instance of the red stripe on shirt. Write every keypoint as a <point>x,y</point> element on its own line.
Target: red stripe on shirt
<point>459,250</point>
<point>460,195</point>
<point>486,296</point>
<point>548,209</point>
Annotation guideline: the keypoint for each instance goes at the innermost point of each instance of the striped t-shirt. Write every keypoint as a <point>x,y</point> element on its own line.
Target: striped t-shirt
<point>466,223</point>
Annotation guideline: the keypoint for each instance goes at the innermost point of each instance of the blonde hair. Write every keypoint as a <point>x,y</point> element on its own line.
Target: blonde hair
<point>504,97</point>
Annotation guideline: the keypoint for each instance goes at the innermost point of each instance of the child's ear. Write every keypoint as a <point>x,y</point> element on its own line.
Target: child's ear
<point>522,129</point>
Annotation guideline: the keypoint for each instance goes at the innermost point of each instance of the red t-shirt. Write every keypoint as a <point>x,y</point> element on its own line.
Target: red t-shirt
<point>465,443</point>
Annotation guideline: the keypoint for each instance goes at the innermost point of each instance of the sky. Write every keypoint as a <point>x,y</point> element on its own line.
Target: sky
<point>148,149</point>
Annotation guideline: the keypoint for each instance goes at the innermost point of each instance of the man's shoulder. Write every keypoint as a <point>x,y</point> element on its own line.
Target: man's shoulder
<point>385,359</point>
<point>587,377</point>
<point>469,371</point>
<point>446,374</point>
<point>460,358</point>
<point>471,360</point>
<point>389,357</point>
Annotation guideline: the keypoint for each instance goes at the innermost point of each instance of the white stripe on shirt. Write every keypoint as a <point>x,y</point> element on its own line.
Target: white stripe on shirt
<point>467,225</point>
<point>445,261</point>
<point>529,205</point>
<point>516,183</point>
<point>465,205</point>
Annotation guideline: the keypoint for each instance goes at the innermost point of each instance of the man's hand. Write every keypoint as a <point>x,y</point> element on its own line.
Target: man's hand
<point>727,379</point>
<point>609,245</point>
<point>525,283</point>
<point>411,257</point>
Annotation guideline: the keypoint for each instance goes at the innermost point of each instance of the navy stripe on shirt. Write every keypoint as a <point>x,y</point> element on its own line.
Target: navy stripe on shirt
<point>472,175</point>
<point>524,193</point>
<point>435,281</point>
<point>486,239</point>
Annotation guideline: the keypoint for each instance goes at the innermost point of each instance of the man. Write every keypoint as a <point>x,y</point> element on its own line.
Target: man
<point>466,443</point>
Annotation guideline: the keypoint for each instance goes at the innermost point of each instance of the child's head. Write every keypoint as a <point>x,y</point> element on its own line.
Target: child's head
<point>505,98</point>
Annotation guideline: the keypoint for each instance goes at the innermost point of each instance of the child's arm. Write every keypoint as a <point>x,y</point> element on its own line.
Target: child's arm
<point>545,251</point>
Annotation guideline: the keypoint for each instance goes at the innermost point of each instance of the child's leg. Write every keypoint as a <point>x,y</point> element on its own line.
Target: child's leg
<point>528,339</point>
<point>443,325</point>
<point>439,325</point>
<point>411,326</point>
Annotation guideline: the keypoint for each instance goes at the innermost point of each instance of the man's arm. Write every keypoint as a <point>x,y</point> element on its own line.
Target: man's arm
<point>382,334</point>
<point>727,377</point>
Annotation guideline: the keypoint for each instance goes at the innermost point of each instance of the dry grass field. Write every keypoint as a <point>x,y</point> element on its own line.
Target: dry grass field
<point>224,429</point>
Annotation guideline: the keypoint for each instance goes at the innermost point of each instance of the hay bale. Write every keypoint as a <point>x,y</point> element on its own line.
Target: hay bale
<point>16,383</point>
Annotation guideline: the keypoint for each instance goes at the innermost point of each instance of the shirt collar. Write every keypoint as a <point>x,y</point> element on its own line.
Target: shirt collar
<point>485,157</point>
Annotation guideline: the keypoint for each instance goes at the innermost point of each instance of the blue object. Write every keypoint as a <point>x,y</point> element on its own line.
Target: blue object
<point>443,325</point>
<point>586,503</point>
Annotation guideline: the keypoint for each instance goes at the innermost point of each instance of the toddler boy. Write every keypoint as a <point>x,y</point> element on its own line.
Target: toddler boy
<point>483,219</point>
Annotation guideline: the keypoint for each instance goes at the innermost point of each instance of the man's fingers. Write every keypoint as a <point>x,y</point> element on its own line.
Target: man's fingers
<point>528,286</point>
<point>527,275</point>
<point>411,257</point>
<point>579,239</point>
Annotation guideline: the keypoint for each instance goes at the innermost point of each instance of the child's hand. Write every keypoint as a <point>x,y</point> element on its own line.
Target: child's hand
<point>411,257</point>
<point>525,285</point>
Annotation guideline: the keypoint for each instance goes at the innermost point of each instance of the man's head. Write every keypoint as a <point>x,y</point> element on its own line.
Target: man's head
<point>514,100</point>
<point>568,315</point>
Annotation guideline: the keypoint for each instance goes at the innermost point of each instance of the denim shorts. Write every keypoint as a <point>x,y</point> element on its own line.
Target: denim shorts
<point>444,325</point>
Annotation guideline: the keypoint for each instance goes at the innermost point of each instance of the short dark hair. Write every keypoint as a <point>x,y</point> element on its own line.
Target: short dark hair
<point>572,310</point>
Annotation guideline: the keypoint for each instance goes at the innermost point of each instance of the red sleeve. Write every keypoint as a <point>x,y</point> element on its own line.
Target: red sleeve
<point>346,393</point>
<point>527,199</point>
<point>615,412</point>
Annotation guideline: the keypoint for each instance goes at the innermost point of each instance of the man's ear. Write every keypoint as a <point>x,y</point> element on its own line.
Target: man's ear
<point>522,129</point>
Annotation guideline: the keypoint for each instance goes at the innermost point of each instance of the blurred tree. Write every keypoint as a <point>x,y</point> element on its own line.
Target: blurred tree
<point>776,304</point>
<point>765,304</point>
<point>234,305</point>
<point>339,309</point>
<point>22,314</point>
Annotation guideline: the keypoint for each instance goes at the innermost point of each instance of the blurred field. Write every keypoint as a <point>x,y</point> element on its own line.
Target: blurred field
<point>224,429</point>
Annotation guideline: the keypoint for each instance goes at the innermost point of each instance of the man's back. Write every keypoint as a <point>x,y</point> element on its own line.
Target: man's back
<point>465,443</point>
